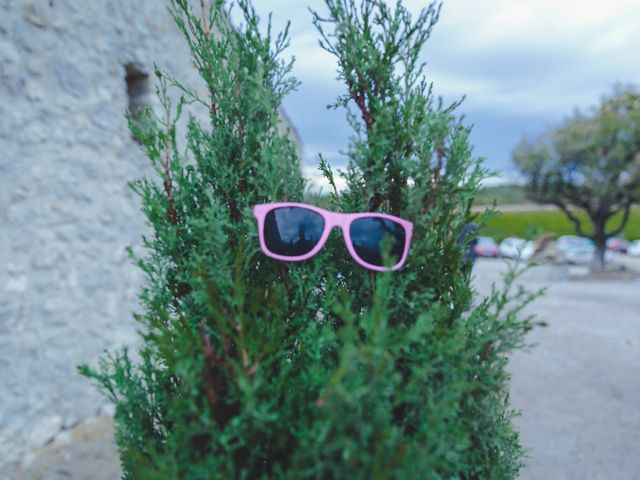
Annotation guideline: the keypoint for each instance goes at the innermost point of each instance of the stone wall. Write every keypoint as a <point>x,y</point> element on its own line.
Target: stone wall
<point>67,288</point>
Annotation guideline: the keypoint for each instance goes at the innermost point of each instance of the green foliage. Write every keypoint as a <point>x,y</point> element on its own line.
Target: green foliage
<point>253,368</point>
<point>591,162</point>
<point>522,224</point>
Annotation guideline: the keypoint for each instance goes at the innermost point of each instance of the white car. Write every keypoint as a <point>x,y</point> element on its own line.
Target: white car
<point>634,248</point>
<point>577,250</point>
<point>516,248</point>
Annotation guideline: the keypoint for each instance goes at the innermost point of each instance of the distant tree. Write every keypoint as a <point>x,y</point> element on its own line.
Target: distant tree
<point>591,162</point>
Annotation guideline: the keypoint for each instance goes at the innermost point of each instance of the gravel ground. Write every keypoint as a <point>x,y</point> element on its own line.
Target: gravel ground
<point>578,388</point>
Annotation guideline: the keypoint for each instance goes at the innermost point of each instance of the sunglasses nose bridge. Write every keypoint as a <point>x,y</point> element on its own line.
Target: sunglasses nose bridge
<point>336,220</point>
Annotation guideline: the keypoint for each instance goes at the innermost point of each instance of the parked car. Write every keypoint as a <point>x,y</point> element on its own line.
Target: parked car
<point>634,248</point>
<point>577,250</point>
<point>486,247</point>
<point>616,244</point>
<point>516,248</point>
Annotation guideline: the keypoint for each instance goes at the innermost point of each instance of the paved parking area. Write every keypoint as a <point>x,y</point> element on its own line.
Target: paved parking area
<point>579,385</point>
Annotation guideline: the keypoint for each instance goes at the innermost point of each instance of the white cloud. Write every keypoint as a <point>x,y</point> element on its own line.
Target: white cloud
<point>481,24</point>
<point>599,38</point>
<point>571,51</point>
<point>535,56</point>
<point>311,60</point>
<point>318,183</point>
<point>535,59</point>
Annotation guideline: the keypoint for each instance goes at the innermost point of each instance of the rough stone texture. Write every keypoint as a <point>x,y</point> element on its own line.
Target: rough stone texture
<point>67,288</point>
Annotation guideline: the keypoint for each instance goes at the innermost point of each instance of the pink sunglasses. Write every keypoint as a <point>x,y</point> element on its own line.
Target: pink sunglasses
<point>296,231</point>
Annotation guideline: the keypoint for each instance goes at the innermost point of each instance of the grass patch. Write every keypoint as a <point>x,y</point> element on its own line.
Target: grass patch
<point>530,224</point>
<point>536,223</point>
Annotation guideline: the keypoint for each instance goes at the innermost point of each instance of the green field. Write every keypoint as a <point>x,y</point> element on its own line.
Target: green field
<point>536,223</point>
<point>529,225</point>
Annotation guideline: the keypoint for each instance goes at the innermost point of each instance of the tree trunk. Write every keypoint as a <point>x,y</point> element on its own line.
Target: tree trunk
<point>598,256</point>
<point>600,239</point>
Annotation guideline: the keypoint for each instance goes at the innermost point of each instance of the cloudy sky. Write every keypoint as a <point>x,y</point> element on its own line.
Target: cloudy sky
<point>522,64</point>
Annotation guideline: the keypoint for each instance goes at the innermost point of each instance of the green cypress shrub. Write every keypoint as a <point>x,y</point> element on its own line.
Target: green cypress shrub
<point>254,368</point>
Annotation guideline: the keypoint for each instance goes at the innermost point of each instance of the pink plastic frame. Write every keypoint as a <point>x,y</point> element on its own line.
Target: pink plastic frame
<point>331,220</point>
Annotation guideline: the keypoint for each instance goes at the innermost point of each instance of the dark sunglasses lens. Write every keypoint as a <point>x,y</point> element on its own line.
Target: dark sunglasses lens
<point>292,231</point>
<point>369,236</point>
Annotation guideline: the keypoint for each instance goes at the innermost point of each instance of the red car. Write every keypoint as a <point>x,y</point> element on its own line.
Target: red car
<point>616,244</point>
<point>486,247</point>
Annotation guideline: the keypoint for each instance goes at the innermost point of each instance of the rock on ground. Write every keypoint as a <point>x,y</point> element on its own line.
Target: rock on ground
<point>87,452</point>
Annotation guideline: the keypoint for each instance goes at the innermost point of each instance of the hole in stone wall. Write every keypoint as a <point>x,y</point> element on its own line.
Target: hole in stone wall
<point>137,89</point>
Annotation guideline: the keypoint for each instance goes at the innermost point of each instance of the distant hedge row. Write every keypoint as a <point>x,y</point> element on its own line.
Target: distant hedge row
<point>502,194</point>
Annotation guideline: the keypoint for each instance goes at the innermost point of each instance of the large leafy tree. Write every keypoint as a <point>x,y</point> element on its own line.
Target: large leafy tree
<point>591,162</point>
<point>254,368</point>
